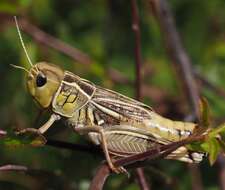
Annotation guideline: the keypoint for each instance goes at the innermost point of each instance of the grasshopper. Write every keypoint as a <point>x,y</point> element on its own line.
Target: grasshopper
<point>121,125</point>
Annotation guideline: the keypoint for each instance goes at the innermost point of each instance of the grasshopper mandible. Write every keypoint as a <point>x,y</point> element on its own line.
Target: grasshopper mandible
<point>121,125</point>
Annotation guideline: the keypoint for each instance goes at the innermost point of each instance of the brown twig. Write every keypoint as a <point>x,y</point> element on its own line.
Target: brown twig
<point>50,41</point>
<point>141,178</point>
<point>142,181</point>
<point>100,177</point>
<point>181,61</point>
<point>11,167</point>
<point>176,50</point>
<point>138,59</point>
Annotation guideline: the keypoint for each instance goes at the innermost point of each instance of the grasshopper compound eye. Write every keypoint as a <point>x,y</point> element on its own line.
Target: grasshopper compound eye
<point>41,80</point>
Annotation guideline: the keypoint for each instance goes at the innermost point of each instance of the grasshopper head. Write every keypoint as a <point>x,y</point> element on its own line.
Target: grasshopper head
<point>43,80</point>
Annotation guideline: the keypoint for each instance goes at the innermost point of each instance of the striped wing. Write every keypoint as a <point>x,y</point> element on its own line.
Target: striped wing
<point>126,108</point>
<point>113,106</point>
<point>132,136</point>
<point>117,109</point>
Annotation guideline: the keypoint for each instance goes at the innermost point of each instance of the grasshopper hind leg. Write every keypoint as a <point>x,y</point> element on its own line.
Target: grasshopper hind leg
<point>103,141</point>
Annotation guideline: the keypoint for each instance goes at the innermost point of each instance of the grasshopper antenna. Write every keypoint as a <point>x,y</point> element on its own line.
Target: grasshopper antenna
<point>22,43</point>
<point>19,67</point>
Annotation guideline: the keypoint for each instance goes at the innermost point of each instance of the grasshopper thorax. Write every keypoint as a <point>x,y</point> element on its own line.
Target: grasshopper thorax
<point>43,80</point>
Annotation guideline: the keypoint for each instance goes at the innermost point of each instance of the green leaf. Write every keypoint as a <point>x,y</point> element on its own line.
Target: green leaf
<point>210,145</point>
<point>25,139</point>
<point>214,150</point>
<point>197,146</point>
<point>217,131</point>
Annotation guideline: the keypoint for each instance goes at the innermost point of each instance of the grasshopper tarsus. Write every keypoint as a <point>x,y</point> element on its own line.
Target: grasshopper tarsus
<point>28,130</point>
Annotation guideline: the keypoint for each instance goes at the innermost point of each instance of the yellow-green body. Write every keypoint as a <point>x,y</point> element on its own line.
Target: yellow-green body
<point>128,126</point>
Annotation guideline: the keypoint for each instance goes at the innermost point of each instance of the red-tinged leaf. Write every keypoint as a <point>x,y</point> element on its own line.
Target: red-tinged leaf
<point>204,112</point>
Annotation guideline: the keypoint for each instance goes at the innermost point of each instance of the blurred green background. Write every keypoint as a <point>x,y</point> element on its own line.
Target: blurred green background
<point>102,30</point>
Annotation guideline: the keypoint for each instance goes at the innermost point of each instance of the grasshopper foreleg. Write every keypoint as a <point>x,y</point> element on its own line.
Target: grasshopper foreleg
<point>43,128</point>
<point>49,123</point>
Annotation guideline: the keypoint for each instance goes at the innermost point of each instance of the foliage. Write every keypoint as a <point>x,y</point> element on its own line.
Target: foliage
<point>16,140</point>
<point>102,29</point>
